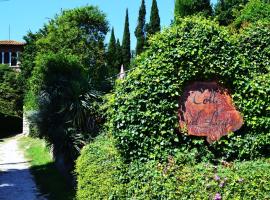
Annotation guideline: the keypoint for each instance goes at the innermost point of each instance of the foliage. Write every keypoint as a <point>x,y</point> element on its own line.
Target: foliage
<point>28,55</point>
<point>227,10</point>
<point>102,175</point>
<point>119,54</point>
<point>67,108</point>
<point>80,32</point>
<point>10,92</point>
<point>97,169</point>
<point>113,64</point>
<point>126,54</point>
<point>143,112</point>
<point>154,25</point>
<point>49,181</point>
<point>68,63</point>
<point>153,180</point>
<point>140,29</point>
<point>185,8</point>
<point>254,11</point>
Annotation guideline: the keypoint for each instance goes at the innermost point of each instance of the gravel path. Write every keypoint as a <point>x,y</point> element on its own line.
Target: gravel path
<point>16,182</point>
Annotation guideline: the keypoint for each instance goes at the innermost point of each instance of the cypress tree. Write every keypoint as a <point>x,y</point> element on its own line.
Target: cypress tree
<point>190,7</point>
<point>140,29</point>
<point>154,24</point>
<point>176,9</point>
<point>126,55</point>
<point>225,10</point>
<point>119,61</point>
<point>111,55</point>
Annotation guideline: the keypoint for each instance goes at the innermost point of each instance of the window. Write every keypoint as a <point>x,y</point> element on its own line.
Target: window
<point>6,58</point>
<point>13,59</point>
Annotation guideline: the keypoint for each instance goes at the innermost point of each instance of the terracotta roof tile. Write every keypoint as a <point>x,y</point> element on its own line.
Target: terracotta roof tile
<point>10,42</point>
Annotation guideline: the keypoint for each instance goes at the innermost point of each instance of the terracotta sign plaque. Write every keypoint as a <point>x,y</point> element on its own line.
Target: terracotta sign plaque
<point>206,109</point>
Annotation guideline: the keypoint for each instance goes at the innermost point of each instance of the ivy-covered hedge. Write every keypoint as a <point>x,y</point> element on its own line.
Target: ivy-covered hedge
<point>143,113</point>
<point>102,175</point>
<point>98,170</point>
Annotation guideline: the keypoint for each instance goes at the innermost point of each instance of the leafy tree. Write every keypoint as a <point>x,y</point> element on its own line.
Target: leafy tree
<point>65,101</point>
<point>154,25</point>
<point>10,92</point>
<point>190,7</point>
<point>126,43</point>
<point>81,32</point>
<point>227,10</point>
<point>111,55</point>
<point>140,29</point>
<point>29,53</point>
<point>69,70</point>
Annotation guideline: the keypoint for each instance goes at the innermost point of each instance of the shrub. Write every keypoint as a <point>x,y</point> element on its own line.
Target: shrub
<point>144,110</point>
<point>102,175</point>
<point>254,11</point>
<point>10,92</point>
<point>153,180</point>
<point>66,114</point>
<point>98,170</point>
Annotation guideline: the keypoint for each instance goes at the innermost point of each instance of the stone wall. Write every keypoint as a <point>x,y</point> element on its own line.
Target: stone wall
<point>26,125</point>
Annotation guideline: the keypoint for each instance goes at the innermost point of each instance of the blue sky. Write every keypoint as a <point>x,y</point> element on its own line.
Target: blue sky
<point>24,15</point>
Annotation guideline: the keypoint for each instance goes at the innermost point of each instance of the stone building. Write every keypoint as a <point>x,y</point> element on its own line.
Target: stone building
<point>9,52</point>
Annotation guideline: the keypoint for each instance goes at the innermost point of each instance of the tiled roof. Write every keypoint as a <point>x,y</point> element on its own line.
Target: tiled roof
<point>10,42</point>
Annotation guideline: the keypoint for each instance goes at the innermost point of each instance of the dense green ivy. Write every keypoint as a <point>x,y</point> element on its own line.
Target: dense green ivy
<point>143,111</point>
<point>102,175</point>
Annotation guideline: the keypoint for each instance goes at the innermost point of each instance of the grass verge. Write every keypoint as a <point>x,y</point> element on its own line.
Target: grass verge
<point>49,181</point>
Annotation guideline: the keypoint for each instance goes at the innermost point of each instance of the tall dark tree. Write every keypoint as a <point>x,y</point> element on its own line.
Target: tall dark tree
<point>111,56</point>
<point>154,24</point>
<point>126,43</point>
<point>226,10</point>
<point>190,7</point>
<point>119,60</point>
<point>140,29</point>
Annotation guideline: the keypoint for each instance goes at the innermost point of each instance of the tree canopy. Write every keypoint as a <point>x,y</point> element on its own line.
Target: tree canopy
<point>154,25</point>
<point>140,29</point>
<point>190,7</point>
<point>254,11</point>
<point>126,51</point>
<point>226,10</point>
<point>112,56</point>
<point>81,32</point>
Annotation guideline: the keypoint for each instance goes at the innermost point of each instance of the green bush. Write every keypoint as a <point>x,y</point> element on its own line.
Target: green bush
<point>153,180</point>
<point>143,112</point>
<point>64,108</point>
<point>253,11</point>
<point>11,97</point>
<point>102,175</point>
<point>98,169</point>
